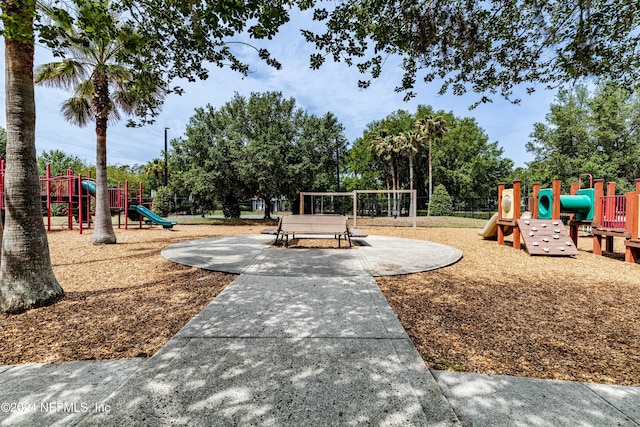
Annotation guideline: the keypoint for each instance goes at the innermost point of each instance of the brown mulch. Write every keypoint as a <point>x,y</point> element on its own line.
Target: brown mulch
<point>496,311</point>
<point>501,311</point>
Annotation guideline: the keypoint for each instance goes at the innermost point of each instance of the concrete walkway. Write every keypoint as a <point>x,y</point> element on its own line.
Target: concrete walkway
<point>301,337</point>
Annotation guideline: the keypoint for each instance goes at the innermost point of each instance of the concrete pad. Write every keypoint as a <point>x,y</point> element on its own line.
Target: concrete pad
<point>626,399</point>
<point>227,254</point>
<point>387,256</point>
<point>273,306</point>
<point>493,400</point>
<point>306,262</point>
<point>275,382</point>
<point>60,393</point>
<point>378,255</point>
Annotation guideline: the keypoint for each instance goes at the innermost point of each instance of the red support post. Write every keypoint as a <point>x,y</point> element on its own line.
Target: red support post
<point>48,185</point>
<point>631,225</point>
<point>516,213</point>
<point>555,210</point>
<point>536,192</point>
<point>119,204</point>
<point>597,214</point>
<point>140,203</point>
<point>611,212</point>
<point>573,228</point>
<point>500,230</point>
<point>80,196</point>
<point>126,205</point>
<point>70,185</point>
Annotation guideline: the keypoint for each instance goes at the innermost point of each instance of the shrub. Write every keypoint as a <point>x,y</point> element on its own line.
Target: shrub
<point>231,207</point>
<point>163,201</point>
<point>441,204</point>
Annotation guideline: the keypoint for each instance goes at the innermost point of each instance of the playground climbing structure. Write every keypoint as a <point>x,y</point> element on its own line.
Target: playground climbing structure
<point>76,193</point>
<point>607,215</point>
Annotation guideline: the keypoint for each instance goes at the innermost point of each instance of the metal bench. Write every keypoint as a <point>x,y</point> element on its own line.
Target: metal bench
<point>331,225</point>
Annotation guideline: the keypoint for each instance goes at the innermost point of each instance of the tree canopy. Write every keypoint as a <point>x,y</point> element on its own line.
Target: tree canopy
<point>464,161</point>
<point>595,132</point>
<point>263,146</point>
<point>486,47</point>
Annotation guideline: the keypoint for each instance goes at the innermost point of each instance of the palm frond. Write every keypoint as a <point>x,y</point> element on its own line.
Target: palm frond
<point>77,110</point>
<point>85,89</point>
<point>65,74</point>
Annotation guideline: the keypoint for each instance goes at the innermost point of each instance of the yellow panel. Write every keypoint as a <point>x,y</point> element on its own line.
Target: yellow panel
<point>506,204</point>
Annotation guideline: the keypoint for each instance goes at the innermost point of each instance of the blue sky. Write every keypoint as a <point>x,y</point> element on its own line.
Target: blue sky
<point>332,88</point>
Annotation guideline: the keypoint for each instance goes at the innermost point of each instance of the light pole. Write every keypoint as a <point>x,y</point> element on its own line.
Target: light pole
<point>166,169</point>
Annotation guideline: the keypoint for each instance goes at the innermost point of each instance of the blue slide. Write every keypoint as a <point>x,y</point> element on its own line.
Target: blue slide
<point>156,219</point>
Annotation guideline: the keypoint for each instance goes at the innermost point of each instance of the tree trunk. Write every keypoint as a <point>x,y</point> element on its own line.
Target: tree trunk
<point>104,232</point>
<point>26,276</point>
<point>411,182</point>
<point>267,207</point>
<point>430,181</point>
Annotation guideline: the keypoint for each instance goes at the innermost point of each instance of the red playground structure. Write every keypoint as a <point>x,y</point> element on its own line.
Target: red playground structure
<point>607,214</point>
<point>76,193</point>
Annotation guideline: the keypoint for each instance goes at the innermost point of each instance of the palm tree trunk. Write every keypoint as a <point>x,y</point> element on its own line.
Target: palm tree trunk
<point>411,180</point>
<point>26,276</point>
<point>104,232</point>
<point>430,181</point>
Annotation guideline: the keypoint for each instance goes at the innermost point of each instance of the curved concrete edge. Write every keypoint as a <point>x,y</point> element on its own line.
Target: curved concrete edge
<point>229,254</point>
<point>391,256</point>
<point>252,254</point>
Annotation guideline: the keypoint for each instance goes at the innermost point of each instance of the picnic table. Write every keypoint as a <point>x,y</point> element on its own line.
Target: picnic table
<point>327,225</point>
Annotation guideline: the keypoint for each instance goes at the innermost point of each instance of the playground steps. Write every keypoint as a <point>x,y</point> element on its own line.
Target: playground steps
<point>546,237</point>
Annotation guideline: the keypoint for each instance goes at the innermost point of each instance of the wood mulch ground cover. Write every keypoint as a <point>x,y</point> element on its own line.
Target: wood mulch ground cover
<point>496,311</point>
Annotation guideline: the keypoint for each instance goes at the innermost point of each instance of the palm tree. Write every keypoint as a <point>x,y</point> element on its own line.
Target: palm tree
<point>432,128</point>
<point>384,147</point>
<point>26,276</point>
<point>154,168</point>
<point>410,142</point>
<point>102,85</point>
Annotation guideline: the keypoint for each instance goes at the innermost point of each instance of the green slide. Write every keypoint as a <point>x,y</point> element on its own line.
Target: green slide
<point>156,219</point>
<point>89,186</point>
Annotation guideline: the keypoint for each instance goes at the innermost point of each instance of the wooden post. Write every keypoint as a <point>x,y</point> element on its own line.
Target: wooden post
<point>536,192</point>
<point>301,204</point>
<point>598,186</point>
<point>555,209</point>
<point>516,213</point>
<point>355,208</point>
<point>500,231</point>
<point>632,226</point>
<point>573,228</point>
<point>637,185</point>
<point>611,212</point>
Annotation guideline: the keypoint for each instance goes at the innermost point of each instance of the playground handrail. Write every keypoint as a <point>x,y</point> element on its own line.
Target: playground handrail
<point>614,210</point>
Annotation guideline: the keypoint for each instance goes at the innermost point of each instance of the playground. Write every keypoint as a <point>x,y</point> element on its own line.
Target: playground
<point>496,311</point>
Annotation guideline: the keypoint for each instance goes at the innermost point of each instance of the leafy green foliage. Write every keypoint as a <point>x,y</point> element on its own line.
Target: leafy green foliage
<point>463,159</point>
<point>100,54</point>
<point>441,204</point>
<point>59,163</point>
<point>262,146</point>
<point>3,143</point>
<point>163,203</point>
<point>17,19</point>
<point>588,132</point>
<point>484,47</point>
<point>230,207</point>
